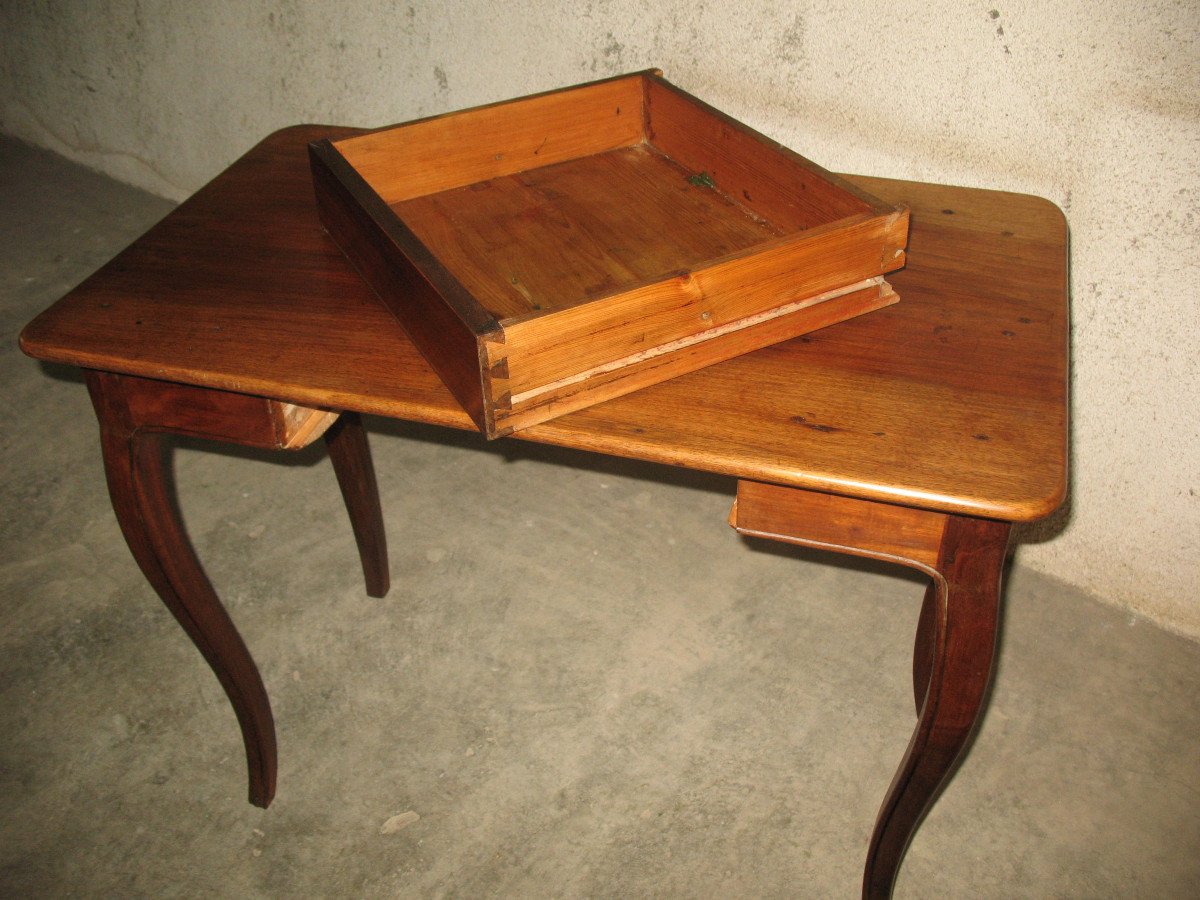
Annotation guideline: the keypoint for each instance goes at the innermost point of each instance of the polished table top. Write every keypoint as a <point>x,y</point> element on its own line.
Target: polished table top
<point>954,399</point>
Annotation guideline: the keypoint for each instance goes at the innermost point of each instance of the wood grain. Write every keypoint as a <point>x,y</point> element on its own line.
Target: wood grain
<point>233,418</point>
<point>131,438</point>
<point>895,425</point>
<point>592,247</point>
<point>954,399</point>
<point>137,416</point>
<point>769,179</point>
<point>898,534</point>
<point>554,346</point>
<point>435,310</point>
<point>459,148</point>
<point>962,640</point>
<point>672,360</point>
<point>351,457</point>
<point>956,632</point>
<point>558,236</point>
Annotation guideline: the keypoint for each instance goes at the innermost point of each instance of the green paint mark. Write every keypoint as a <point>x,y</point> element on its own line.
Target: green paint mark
<point>703,179</point>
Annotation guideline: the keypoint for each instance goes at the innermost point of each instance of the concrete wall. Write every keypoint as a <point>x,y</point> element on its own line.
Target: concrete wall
<point>1095,106</point>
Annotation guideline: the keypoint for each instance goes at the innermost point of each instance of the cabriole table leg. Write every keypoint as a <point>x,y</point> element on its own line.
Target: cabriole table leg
<point>145,509</point>
<point>136,415</point>
<point>956,632</point>
<point>962,634</point>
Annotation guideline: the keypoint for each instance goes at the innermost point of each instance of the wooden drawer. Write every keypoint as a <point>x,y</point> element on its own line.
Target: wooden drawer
<point>553,251</point>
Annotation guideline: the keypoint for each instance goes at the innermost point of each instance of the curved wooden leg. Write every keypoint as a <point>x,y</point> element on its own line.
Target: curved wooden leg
<point>964,617</point>
<point>138,486</point>
<point>956,635</point>
<point>351,457</point>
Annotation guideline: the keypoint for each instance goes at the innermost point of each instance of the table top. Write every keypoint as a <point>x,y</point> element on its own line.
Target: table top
<point>953,399</point>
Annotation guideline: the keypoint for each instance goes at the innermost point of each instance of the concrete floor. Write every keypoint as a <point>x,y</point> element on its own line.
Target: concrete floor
<point>582,682</point>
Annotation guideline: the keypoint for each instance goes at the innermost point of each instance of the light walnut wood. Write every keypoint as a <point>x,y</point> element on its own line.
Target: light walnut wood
<point>898,534</point>
<point>134,419</point>
<point>233,417</point>
<point>562,235</point>
<point>770,180</point>
<point>448,151</point>
<point>566,262</point>
<point>956,632</point>
<point>758,321</point>
<point>912,426</point>
<point>962,625</point>
<point>954,399</point>
<point>547,348</point>
<point>689,354</point>
<point>136,416</point>
<point>300,426</point>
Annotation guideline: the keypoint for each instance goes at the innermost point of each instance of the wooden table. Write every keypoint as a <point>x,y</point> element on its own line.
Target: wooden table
<point>917,434</point>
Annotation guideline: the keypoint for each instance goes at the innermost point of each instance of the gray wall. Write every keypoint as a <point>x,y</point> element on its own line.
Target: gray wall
<point>1095,106</point>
